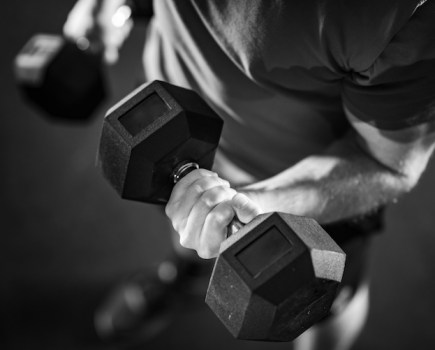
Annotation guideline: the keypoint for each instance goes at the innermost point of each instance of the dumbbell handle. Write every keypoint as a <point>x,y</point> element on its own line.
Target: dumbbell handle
<point>185,168</point>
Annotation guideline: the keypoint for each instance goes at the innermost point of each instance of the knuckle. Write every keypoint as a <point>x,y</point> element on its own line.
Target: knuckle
<point>197,188</point>
<point>216,195</point>
<point>202,185</point>
<point>245,208</point>
<point>169,211</point>
<point>179,225</point>
<point>205,253</point>
<point>206,183</point>
<point>211,197</point>
<point>222,216</point>
<point>185,241</point>
<point>240,200</point>
<point>244,203</point>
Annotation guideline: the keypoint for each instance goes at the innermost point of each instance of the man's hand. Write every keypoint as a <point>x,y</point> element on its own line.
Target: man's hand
<point>201,207</point>
<point>100,24</point>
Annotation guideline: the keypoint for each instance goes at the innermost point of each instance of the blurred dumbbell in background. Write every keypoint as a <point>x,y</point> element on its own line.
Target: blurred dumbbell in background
<point>63,75</point>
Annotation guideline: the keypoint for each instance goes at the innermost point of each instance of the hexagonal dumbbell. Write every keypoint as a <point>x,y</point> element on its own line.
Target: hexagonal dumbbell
<point>60,77</point>
<point>63,78</point>
<point>277,275</point>
<point>150,134</point>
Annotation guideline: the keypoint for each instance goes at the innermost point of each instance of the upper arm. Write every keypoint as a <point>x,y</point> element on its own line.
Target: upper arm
<point>404,151</point>
<point>391,104</point>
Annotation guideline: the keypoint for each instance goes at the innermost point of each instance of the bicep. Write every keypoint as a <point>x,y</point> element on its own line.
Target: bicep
<point>404,151</point>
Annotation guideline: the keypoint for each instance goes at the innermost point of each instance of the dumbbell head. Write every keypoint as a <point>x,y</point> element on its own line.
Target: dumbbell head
<point>151,132</point>
<point>283,272</point>
<point>276,276</point>
<point>62,79</point>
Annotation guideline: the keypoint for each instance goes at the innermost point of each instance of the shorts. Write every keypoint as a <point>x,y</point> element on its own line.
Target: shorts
<point>354,237</point>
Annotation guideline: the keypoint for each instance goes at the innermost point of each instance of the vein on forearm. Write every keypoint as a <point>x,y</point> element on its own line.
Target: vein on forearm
<point>342,183</point>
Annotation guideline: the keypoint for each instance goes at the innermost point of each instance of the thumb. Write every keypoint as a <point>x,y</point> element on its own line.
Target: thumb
<point>245,209</point>
<point>80,19</point>
<point>111,55</point>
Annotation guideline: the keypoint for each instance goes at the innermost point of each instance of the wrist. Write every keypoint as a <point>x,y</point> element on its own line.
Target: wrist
<point>296,200</point>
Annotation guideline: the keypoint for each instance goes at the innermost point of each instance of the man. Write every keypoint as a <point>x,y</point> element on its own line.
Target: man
<point>329,113</point>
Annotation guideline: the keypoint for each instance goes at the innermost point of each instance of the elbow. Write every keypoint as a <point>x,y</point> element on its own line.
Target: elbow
<point>409,182</point>
<point>410,175</point>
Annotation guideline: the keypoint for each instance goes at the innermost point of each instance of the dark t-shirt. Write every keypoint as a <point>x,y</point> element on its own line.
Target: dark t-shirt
<point>280,71</point>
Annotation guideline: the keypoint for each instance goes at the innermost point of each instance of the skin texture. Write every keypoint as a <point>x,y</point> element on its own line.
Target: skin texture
<point>201,207</point>
<point>365,169</point>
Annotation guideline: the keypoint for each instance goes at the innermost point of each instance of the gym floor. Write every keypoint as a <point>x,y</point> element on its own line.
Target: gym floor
<point>67,237</point>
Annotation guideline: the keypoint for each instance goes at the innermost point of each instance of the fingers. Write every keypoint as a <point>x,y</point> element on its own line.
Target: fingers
<point>102,25</point>
<point>192,199</point>
<point>187,192</point>
<point>201,207</point>
<point>80,19</point>
<point>182,185</point>
<point>207,222</point>
<point>115,24</point>
<point>214,231</point>
<point>114,41</point>
<point>246,209</point>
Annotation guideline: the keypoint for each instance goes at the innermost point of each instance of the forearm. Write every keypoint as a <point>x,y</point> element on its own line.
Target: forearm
<point>343,182</point>
<point>357,174</point>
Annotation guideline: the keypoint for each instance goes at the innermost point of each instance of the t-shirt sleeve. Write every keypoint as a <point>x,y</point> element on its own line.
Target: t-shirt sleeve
<point>398,89</point>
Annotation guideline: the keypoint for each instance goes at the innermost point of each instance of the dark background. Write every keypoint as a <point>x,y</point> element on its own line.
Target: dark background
<point>67,237</point>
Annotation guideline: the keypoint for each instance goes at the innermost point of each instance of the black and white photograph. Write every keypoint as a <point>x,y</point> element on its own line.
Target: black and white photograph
<point>217,174</point>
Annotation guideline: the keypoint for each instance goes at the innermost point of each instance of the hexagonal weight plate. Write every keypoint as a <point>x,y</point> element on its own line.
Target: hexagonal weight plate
<point>149,133</point>
<point>59,78</point>
<point>275,278</point>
